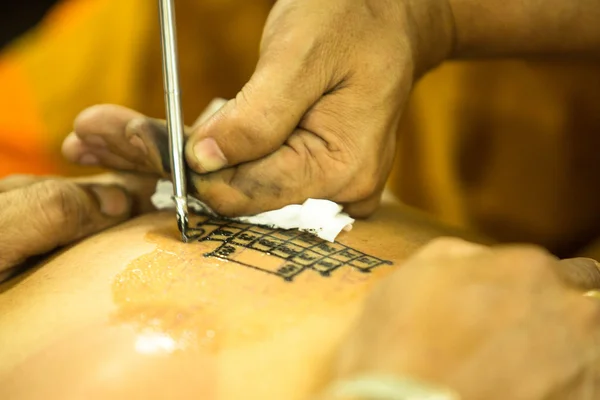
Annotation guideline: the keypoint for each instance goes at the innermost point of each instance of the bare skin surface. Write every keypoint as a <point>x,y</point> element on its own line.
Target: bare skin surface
<point>133,313</point>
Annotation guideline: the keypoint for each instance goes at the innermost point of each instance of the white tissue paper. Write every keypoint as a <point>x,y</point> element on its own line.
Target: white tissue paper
<point>322,218</point>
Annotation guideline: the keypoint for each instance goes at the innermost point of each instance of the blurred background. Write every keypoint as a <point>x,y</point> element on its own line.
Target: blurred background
<point>508,148</point>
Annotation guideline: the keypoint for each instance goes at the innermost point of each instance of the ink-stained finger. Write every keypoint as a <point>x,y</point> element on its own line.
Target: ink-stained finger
<point>92,151</point>
<point>152,138</point>
<point>53,213</point>
<point>119,138</point>
<point>105,120</point>
<point>296,171</point>
<point>104,128</point>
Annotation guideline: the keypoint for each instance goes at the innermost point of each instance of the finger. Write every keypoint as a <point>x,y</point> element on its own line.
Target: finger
<point>300,169</point>
<point>75,149</point>
<point>292,74</point>
<point>364,208</point>
<point>119,138</point>
<point>96,124</point>
<point>139,187</point>
<point>288,176</point>
<point>581,273</point>
<point>52,213</point>
<point>17,181</point>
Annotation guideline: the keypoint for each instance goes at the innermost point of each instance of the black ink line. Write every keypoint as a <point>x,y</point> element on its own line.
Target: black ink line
<point>232,245</point>
<point>251,266</point>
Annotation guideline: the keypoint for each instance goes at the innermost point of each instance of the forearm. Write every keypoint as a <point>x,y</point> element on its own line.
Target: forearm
<point>444,29</point>
<point>525,27</point>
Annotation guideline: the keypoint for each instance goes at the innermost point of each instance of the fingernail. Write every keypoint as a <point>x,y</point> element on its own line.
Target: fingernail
<point>113,200</point>
<point>209,155</point>
<point>89,159</point>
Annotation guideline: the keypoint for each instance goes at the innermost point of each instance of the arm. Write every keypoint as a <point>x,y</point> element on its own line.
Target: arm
<point>523,27</point>
<point>473,28</point>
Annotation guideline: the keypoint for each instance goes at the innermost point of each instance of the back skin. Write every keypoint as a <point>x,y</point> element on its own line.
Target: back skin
<point>134,313</point>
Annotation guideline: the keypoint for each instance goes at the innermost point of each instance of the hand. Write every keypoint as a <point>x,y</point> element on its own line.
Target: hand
<point>39,214</point>
<point>318,118</point>
<point>490,323</point>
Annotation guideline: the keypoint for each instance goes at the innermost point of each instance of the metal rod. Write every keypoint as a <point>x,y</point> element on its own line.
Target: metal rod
<point>174,113</point>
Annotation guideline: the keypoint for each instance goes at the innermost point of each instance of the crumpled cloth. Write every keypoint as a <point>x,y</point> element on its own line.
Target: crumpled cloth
<point>322,218</point>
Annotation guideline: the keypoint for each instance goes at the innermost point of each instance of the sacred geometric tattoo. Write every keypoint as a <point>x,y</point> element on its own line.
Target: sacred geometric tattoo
<point>296,251</point>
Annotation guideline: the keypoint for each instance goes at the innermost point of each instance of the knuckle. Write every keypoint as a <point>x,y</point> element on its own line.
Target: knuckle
<point>61,205</point>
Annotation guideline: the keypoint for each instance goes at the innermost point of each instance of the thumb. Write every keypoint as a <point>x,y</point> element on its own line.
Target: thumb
<point>48,214</point>
<point>260,118</point>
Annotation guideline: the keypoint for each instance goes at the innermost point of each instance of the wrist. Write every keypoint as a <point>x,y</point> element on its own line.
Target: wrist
<point>430,31</point>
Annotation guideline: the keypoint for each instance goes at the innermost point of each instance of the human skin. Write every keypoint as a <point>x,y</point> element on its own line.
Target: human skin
<point>319,115</point>
<point>41,213</point>
<point>134,313</point>
<point>70,326</point>
<point>490,323</point>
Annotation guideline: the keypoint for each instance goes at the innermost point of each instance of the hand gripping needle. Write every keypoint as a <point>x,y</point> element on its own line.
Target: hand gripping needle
<point>174,114</point>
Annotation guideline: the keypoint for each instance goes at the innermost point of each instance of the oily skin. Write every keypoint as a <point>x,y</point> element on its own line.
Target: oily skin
<point>152,293</point>
<point>233,325</point>
<point>253,324</point>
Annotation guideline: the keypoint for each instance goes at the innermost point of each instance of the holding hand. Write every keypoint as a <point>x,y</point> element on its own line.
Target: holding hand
<point>489,323</point>
<point>317,119</point>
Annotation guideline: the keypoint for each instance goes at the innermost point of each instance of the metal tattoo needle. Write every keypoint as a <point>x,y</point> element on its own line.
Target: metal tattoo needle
<point>174,114</point>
